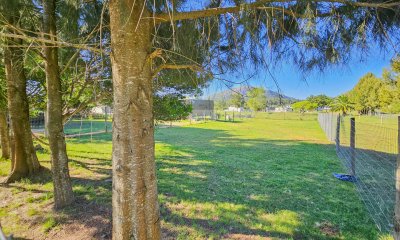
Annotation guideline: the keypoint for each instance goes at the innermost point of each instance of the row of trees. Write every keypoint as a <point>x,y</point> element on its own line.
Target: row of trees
<point>374,93</point>
<point>312,103</point>
<point>255,99</point>
<point>41,73</point>
<point>370,94</point>
<point>63,54</point>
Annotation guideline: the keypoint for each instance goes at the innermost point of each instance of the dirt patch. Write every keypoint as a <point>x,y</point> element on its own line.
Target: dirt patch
<point>82,220</point>
<point>328,228</point>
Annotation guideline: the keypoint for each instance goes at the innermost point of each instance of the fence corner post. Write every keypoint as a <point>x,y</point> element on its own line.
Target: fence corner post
<point>352,146</point>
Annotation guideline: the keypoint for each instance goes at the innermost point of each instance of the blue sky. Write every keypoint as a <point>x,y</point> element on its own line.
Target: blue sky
<point>332,82</point>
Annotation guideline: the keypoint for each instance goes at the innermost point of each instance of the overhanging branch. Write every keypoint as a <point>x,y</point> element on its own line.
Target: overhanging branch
<point>194,68</point>
<point>48,41</point>
<point>176,16</point>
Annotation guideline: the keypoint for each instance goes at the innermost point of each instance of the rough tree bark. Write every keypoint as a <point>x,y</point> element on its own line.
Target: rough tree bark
<point>24,159</point>
<point>135,205</point>
<point>63,194</point>
<point>4,135</point>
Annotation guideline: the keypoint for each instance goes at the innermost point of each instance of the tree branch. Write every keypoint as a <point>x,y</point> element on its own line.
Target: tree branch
<point>83,105</point>
<point>48,41</point>
<point>195,68</point>
<point>165,17</point>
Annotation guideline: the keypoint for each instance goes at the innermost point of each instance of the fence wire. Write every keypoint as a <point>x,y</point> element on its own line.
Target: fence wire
<point>372,160</point>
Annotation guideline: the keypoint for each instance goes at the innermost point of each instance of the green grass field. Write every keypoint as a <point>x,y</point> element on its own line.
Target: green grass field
<point>259,178</point>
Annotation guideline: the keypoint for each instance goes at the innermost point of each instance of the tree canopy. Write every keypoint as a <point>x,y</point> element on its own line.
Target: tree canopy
<point>256,99</point>
<point>373,93</point>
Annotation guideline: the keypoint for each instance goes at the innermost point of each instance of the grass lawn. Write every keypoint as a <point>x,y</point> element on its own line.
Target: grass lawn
<point>262,178</point>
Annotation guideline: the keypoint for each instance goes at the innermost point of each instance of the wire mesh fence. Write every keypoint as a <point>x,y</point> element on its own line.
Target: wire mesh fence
<point>78,125</point>
<point>368,149</point>
<point>83,126</point>
<point>37,122</point>
<point>232,115</point>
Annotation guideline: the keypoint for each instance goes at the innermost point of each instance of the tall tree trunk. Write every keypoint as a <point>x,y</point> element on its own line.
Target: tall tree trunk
<point>63,194</point>
<point>135,205</point>
<point>4,135</point>
<point>25,161</point>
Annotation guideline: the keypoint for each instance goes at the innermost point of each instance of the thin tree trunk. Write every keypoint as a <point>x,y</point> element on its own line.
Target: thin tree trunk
<point>135,205</point>
<point>63,194</point>
<point>25,161</point>
<point>4,135</point>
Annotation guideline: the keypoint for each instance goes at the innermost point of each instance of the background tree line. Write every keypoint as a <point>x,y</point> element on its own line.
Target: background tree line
<point>253,98</point>
<point>372,94</point>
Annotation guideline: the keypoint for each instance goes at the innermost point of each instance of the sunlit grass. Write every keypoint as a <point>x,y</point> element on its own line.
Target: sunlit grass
<point>262,177</point>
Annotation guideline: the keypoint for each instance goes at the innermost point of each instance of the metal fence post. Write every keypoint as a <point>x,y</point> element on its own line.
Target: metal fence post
<point>352,146</point>
<point>105,118</point>
<point>337,141</point>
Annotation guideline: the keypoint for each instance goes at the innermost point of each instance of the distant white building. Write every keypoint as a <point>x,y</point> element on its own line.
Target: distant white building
<point>284,109</point>
<point>101,110</point>
<point>235,109</point>
<point>326,108</point>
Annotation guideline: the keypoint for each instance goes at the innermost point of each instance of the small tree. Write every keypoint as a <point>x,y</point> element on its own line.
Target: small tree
<point>304,106</point>
<point>256,99</point>
<point>320,100</point>
<point>236,100</point>
<point>365,94</point>
<point>221,103</point>
<point>170,108</point>
<point>341,104</point>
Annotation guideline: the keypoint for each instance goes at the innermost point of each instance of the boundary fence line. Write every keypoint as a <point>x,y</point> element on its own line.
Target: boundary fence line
<point>368,151</point>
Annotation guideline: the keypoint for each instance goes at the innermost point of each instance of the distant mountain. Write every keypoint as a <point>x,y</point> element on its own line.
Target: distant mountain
<point>272,96</point>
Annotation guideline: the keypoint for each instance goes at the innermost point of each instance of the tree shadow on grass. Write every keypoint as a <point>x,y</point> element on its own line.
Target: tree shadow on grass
<point>215,184</point>
<point>205,174</point>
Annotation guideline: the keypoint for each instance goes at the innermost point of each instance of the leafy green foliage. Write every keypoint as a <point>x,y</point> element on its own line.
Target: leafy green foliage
<point>341,104</point>
<point>320,100</point>
<point>220,103</point>
<point>236,100</point>
<point>170,108</point>
<point>372,93</point>
<point>303,106</point>
<point>365,95</point>
<point>256,99</point>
